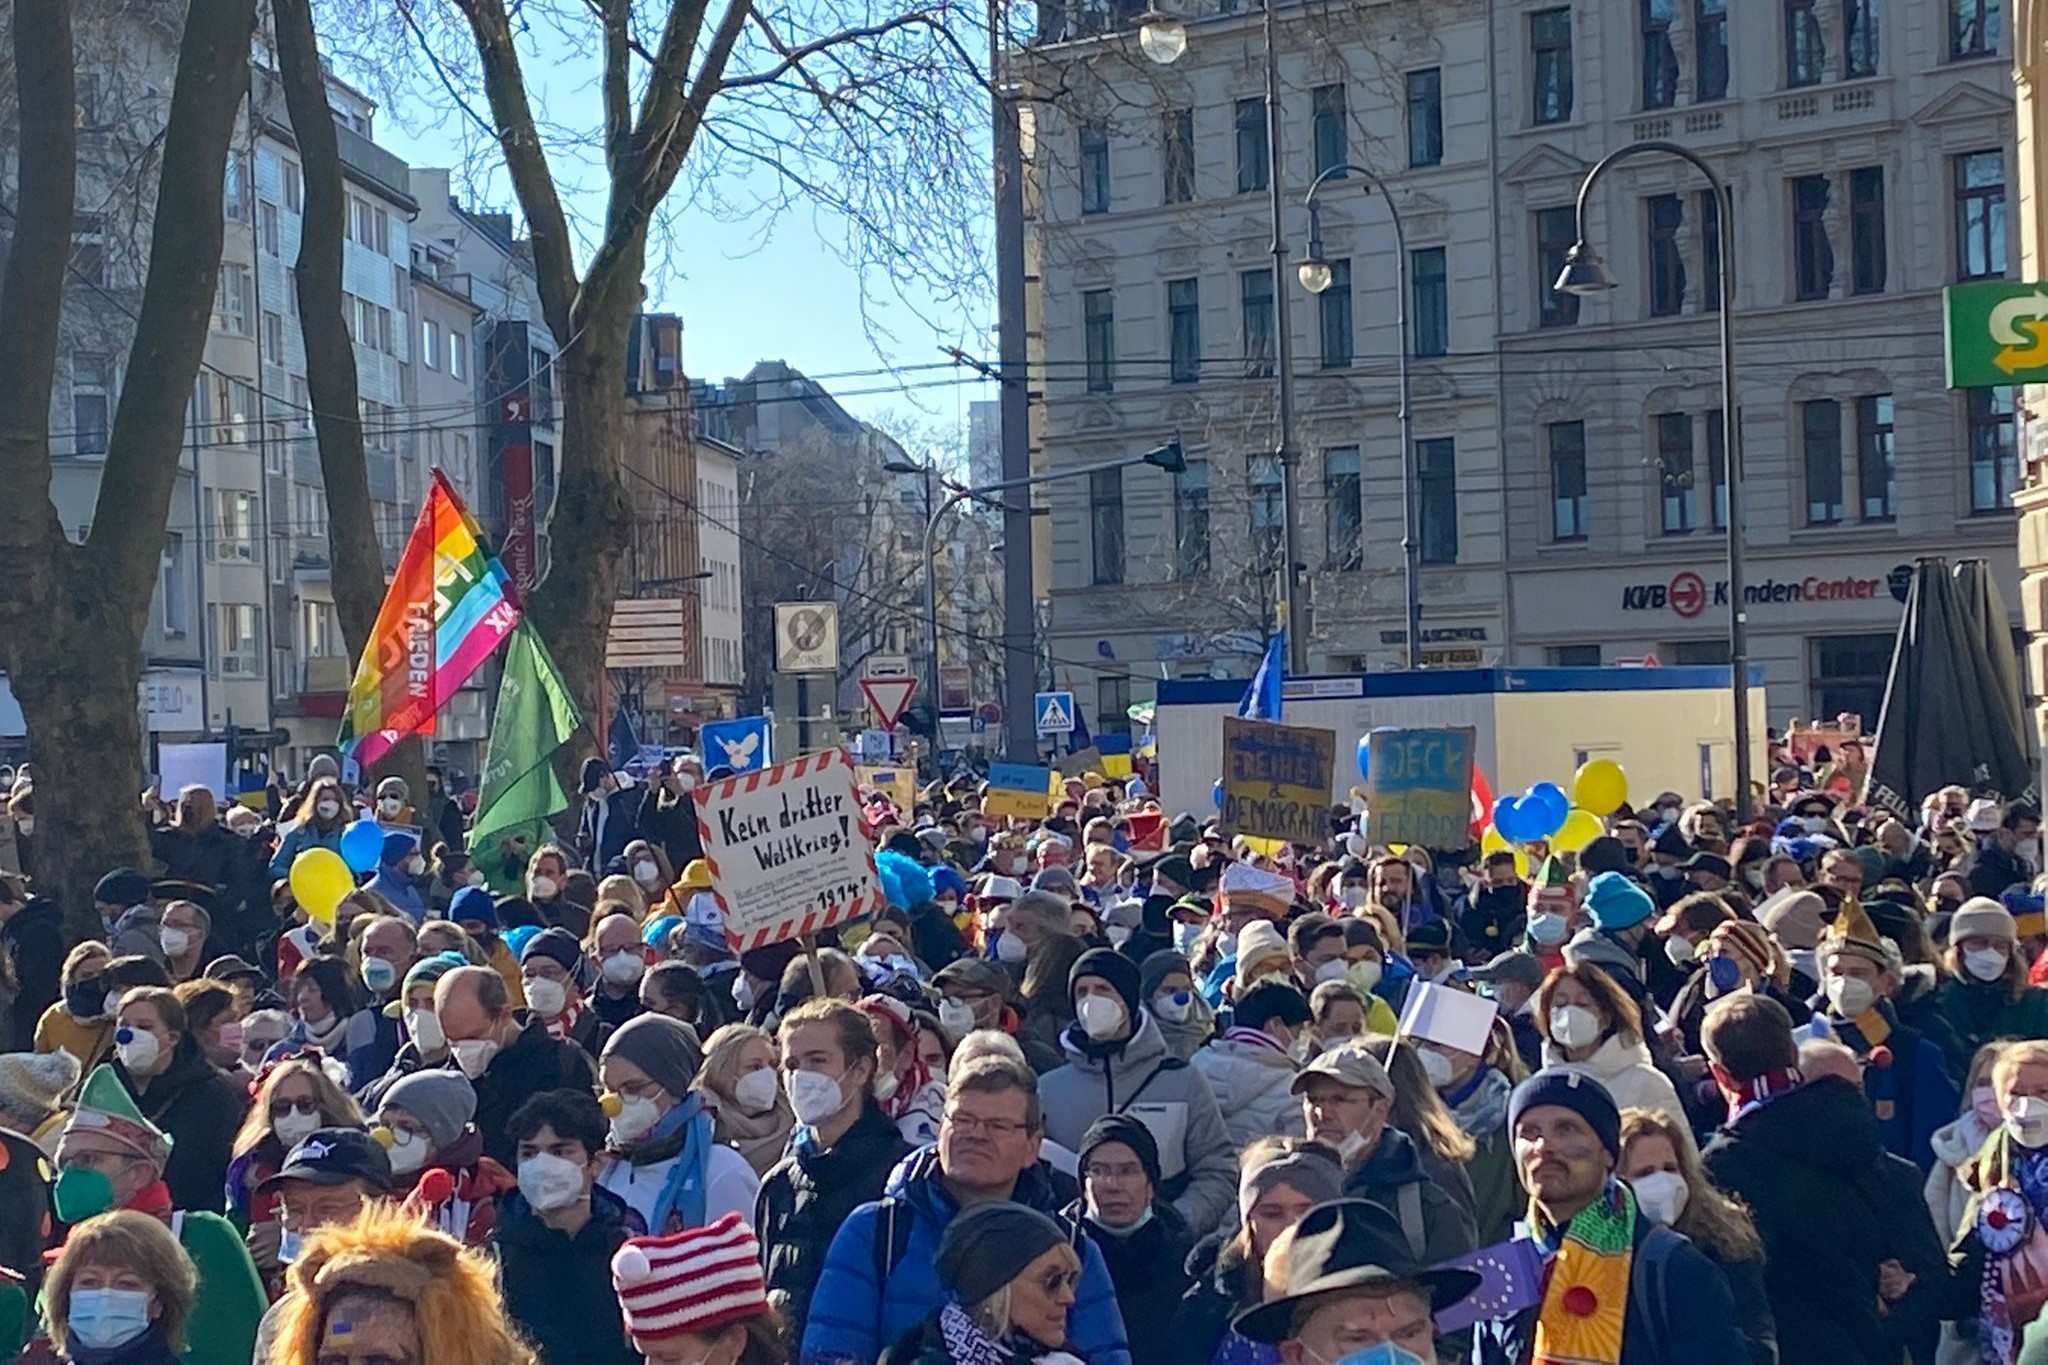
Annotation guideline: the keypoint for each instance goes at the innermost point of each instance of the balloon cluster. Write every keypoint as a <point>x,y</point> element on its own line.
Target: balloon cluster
<point>1543,813</point>
<point>322,878</point>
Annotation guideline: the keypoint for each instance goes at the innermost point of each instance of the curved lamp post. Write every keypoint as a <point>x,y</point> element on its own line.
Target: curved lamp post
<point>1585,274</point>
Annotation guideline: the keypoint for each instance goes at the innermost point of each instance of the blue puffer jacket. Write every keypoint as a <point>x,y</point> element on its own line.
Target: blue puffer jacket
<point>852,1318</point>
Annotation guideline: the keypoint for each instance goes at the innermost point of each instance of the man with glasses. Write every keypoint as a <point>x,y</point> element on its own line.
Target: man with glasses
<point>880,1277</point>
<point>325,1181</point>
<point>1143,1239</point>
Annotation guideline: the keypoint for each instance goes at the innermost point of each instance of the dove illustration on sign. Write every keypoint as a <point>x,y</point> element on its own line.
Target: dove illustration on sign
<point>741,745</point>
<point>739,753</point>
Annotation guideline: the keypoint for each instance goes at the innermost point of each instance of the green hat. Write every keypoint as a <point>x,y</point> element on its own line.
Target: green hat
<point>1553,875</point>
<point>426,971</point>
<point>105,1107</point>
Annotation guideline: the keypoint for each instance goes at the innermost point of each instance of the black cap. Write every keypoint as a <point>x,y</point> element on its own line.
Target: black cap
<point>1431,936</point>
<point>335,1156</point>
<point>1671,843</point>
<point>1711,863</point>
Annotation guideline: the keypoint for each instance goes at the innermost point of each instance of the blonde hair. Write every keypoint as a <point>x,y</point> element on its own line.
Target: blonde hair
<point>1981,1065</point>
<point>125,1240</point>
<point>626,892</point>
<point>198,811</point>
<point>386,1254</point>
<point>337,1108</point>
<point>1717,1221</point>
<point>1418,1110</point>
<point>2014,1055</point>
<point>722,1049</point>
<point>992,1314</point>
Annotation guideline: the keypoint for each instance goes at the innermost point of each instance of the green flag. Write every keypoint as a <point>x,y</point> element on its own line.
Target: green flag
<point>534,718</point>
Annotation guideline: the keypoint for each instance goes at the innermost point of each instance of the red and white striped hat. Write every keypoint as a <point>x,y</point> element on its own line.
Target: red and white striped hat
<point>694,1281</point>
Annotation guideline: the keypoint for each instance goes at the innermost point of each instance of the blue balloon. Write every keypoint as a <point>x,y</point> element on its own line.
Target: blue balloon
<point>1216,793</point>
<point>1507,820</point>
<point>1365,758</point>
<point>1555,805</point>
<point>362,846</point>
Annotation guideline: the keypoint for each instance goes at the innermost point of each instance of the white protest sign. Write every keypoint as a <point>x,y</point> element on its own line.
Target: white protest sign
<point>1447,1017</point>
<point>191,765</point>
<point>786,850</point>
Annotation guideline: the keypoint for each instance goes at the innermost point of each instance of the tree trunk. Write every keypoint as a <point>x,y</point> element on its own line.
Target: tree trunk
<point>72,616</point>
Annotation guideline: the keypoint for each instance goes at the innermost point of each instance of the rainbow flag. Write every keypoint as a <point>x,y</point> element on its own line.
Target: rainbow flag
<point>449,605</point>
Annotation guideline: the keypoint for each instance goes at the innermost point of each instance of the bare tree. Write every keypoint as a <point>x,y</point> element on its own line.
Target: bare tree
<point>72,614</point>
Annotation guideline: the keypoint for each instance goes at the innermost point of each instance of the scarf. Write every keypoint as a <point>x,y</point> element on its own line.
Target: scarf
<point>684,1131</point>
<point>564,1024</point>
<point>2007,1221</point>
<point>1481,1104</point>
<point>966,1343</point>
<point>1755,1094</point>
<point>1254,1037</point>
<point>760,1138</point>
<point>146,1349</point>
<point>910,1086</point>
<point>1585,1289</point>
<point>323,1036</point>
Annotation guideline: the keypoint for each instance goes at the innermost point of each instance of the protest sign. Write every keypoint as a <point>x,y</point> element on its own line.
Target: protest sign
<point>1420,788</point>
<point>898,784</point>
<point>1447,1016</point>
<point>786,851</point>
<point>1019,790</point>
<point>1087,760</point>
<point>1276,780</point>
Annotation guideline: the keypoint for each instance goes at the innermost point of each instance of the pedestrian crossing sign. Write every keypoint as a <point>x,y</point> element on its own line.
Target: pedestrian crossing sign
<point>1055,713</point>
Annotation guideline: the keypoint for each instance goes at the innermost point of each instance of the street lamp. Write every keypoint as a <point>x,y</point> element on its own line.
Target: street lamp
<point>1168,458</point>
<point>1163,37</point>
<point>1584,274</point>
<point>927,472</point>
<point>1313,270</point>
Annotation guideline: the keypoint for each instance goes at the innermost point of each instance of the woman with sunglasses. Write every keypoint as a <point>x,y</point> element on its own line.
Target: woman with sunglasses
<point>293,1098</point>
<point>1009,1273</point>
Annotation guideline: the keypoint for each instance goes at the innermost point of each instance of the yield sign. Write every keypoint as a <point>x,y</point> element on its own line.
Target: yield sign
<point>888,697</point>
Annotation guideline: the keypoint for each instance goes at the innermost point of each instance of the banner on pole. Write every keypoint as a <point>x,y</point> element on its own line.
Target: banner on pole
<point>786,851</point>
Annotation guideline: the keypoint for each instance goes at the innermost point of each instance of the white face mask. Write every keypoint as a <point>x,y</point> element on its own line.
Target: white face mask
<point>1365,973</point>
<point>1010,948</point>
<point>637,1114</point>
<point>1574,1026</point>
<point>415,865</point>
<point>885,1086</point>
<point>1174,1007</point>
<point>380,974</point>
<point>2026,1119</point>
<point>1352,894</point>
<point>327,810</point>
<point>813,1096</point>
<point>475,878</point>
<point>546,998</point>
<point>408,1152</point>
<point>174,941</point>
<point>389,805</point>
<point>474,1055</point>
<point>647,874</point>
<point>1226,945</point>
<point>956,1016</point>
<point>1986,964</point>
<point>424,1028</point>
<point>1336,969</point>
<point>550,1182</point>
<point>1101,1017</point>
<point>139,1051</point>
<point>294,1127</point>
<point>1436,1066</point>
<point>26,824</point>
<point>755,1092</point>
<point>542,888</point>
<point>1850,995</point>
<point>1185,937</point>
<point>111,1005</point>
<point>1117,935</point>
<point>1680,951</point>
<point>1350,1146</point>
<point>686,782</point>
<point>1661,1195</point>
<point>624,967</point>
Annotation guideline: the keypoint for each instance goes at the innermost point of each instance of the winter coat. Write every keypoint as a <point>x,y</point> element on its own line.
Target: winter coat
<point>672,824</point>
<point>1395,1163</point>
<point>1980,1011</point>
<point>1252,1085</point>
<point>89,1040</point>
<point>1039,1026</point>
<point>808,1194</point>
<point>1810,1165</point>
<point>530,1063</point>
<point>1222,1284</point>
<point>201,1110</point>
<point>1752,1304</point>
<point>297,840</point>
<point>1482,1112</point>
<point>1146,1266</point>
<point>604,826</point>
<point>1698,1320</point>
<point>868,1296</point>
<point>1911,1094</point>
<point>1628,1073</point>
<point>1493,920</point>
<point>557,1289</point>
<point>34,942</point>
<point>1197,1160</point>
<point>1948,1198</point>
<point>215,857</point>
<point>460,1191</point>
<point>1917,1002</point>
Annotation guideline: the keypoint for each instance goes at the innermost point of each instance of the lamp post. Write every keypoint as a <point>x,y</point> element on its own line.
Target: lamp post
<point>1585,274</point>
<point>927,473</point>
<point>1163,38</point>
<point>1168,458</point>
<point>1315,275</point>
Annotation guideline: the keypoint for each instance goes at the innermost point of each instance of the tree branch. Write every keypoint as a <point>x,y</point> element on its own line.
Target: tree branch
<point>617,17</point>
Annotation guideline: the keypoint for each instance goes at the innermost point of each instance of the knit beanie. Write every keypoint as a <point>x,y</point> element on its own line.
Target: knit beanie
<point>1573,1090</point>
<point>694,1282</point>
<point>443,1101</point>
<point>398,846</point>
<point>124,886</point>
<point>557,945</point>
<point>1258,943</point>
<point>1107,964</point>
<point>989,1245</point>
<point>1312,1172</point>
<point>32,1084</point>
<point>662,1047</point>
<point>1747,941</point>
<point>1982,917</point>
<point>1132,1133</point>
<point>474,905</point>
<point>1615,902</point>
<point>1793,917</point>
<point>1604,854</point>
<point>1157,967</point>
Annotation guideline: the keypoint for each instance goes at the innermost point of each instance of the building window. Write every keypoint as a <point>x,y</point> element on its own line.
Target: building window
<point>1550,64</point>
<point>1343,513</point>
<point>1574,656</point>
<point>1876,468</point>
<point>1094,168</point>
<point>1806,54</point>
<point>1556,230</point>
<point>1667,261</point>
<point>1994,463</point>
<point>1184,330</point>
<point>1571,508</point>
<point>430,343</point>
<point>234,639</point>
<point>458,354</point>
<point>1106,516</point>
<point>1426,116</point>
<point>1191,520</point>
<point>1980,215</point>
<point>1972,28</point>
<point>1660,62</point>
<point>294,187</point>
<point>1866,230</point>
<point>92,401</point>
<point>234,526</point>
<point>1679,495</point>
<point>273,338</point>
<point>266,227</point>
<point>1267,507</point>
<point>235,190</point>
<point>1098,332</point>
<point>1333,309</point>
<point>231,300</point>
<point>1709,210</point>
<point>1252,169</point>
<point>89,247</point>
<point>170,586</point>
<point>1177,154</point>
<point>1112,704</point>
<point>1820,445</point>
<point>1430,300</point>
<point>1709,50</point>
<point>1255,305</point>
<point>1331,130</point>
<point>1813,255</point>
<point>1859,39</point>
<point>1849,673</point>
<point>1436,479</point>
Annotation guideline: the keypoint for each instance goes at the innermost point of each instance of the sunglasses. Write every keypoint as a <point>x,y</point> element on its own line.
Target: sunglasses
<point>1054,1280</point>
<point>306,1105</point>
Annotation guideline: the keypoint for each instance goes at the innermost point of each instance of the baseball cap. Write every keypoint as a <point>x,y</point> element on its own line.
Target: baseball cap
<point>1351,1063</point>
<point>335,1156</point>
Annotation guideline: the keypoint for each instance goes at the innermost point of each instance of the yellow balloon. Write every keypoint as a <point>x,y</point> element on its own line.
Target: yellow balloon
<point>1491,842</point>
<point>1600,786</point>
<point>1580,828</point>
<point>319,881</point>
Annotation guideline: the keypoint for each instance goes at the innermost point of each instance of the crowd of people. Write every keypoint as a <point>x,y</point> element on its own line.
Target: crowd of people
<point>1113,1086</point>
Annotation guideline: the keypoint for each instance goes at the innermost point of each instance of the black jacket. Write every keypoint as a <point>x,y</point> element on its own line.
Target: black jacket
<point>1813,1170</point>
<point>1221,1283</point>
<point>201,1110</point>
<point>1447,1227</point>
<point>557,1289</point>
<point>1493,919</point>
<point>1148,1268</point>
<point>220,859</point>
<point>34,942</point>
<point>531,1063</point>
<point>934,937</point>
<point>671,824</point>
<point>808,1194</point>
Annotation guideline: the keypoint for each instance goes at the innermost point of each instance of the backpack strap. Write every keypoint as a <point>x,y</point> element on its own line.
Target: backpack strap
<point>1409,1199</point>
<point>1170,1064</point>
<point>892,1239</point>
<point>1649,1304</point>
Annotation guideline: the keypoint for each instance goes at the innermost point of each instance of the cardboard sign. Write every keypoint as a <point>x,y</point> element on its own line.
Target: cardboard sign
<point>1421,788</point>
<point>898,784</point>
<point>1018,790</point>
<point>1276,780</point>
<point>786,850</point>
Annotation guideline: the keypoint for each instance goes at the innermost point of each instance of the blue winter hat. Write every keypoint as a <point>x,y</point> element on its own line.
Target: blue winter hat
<point>946,880</point>
<point>518,936</point>
<point>474,905</point>
<point>398,846</point>
<point>1573,1090</point>
<point>655,935</point>
<point>1616,902</point>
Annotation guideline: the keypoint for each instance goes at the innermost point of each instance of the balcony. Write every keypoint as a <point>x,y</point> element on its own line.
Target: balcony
<point>323,685</point>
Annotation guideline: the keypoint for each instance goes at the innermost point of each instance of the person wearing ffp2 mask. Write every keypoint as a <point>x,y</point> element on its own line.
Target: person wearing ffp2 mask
<point>665,1162</point>
<point>506,1053</point>
<point>556,1235</point>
